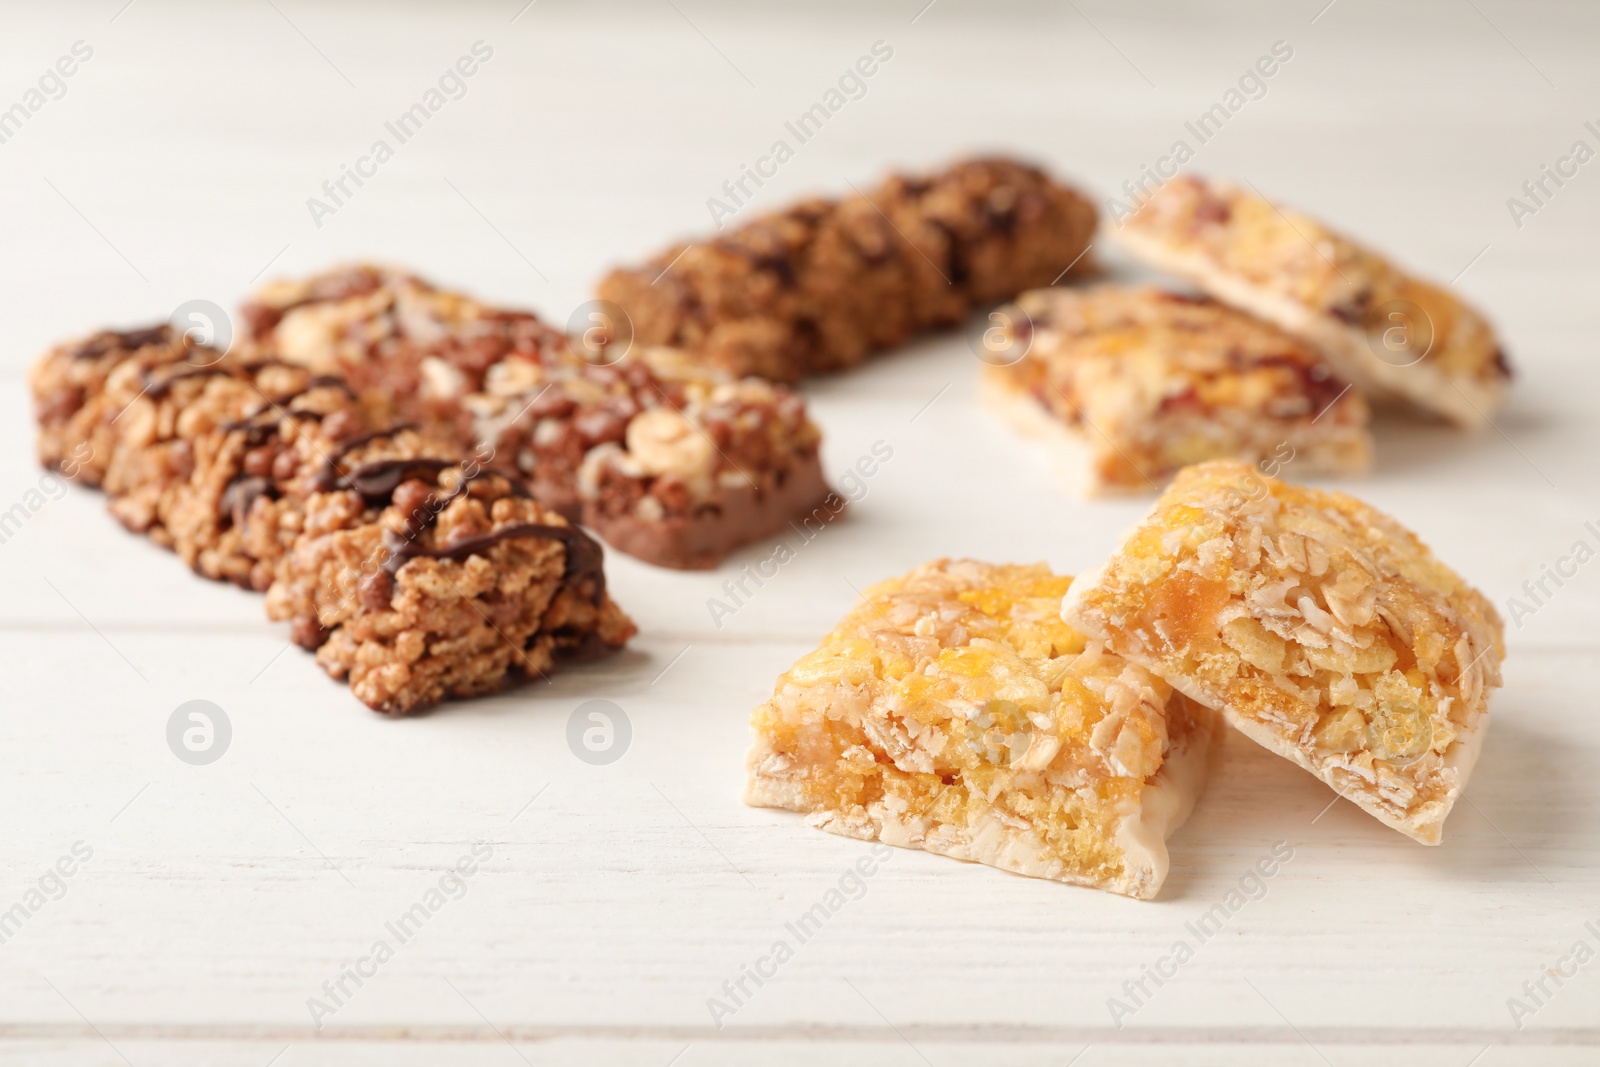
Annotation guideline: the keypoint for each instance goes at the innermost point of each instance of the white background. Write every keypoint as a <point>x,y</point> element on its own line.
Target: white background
<point>177,166</point>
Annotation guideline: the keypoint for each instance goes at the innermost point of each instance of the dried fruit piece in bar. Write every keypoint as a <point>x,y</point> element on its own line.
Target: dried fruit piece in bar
<point>1392,334</point>
<point>953,711</point>
<point>822,285</point>
<point>1319,626</point>
<point>1134,384</point>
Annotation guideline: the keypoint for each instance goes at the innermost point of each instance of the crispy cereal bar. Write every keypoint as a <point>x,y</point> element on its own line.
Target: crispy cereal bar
<point>953,711</point>
<point>1136,383</point>
<point>824,284</point>
<point>667,460</point>
<point>77,421</point>
<point>417,571</point>
<point>1391,334</point>
<point>420,580</point>
<point>1320,627</point>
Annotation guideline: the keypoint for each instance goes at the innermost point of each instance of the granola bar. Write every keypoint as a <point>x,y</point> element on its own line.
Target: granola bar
<point>667,460</point>
<point>1136,383</point>
<point>419,579</point>
<point>265,474</point>
<point>1320,627</point>
<point>820,286</point>
<point>77,421</point>
<point>1390,333</point>
<point>410,350</point>
<point>953,711</point>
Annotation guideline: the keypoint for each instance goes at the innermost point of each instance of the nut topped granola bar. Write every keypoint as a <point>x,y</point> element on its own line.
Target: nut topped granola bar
<point>1320,627</point>
<point>1392,334</point>
<point>822,285</point>
<point>409,349</point>
<point>669,463</point>
<point>953,711</point>
<point>1145,382</point>
<point>666,459</point>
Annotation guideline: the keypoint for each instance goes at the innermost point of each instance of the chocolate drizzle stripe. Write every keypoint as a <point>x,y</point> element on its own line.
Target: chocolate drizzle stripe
<point>584,556</point>
<point>129,341</point>
<point>377,481</point>
<point>155,389</point>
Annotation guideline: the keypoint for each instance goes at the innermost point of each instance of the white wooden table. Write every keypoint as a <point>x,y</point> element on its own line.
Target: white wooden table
<point>616,899</point>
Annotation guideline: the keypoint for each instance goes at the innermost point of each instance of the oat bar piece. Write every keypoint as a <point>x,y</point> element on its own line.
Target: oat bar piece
<point>666,459</point>
<point>77,420</point>
<point>1132,384</point>
<point>1390,333</point>
<point>1321,628</point>
<point>824,284</point>
<point>420,581</point>
<point>953,711</point>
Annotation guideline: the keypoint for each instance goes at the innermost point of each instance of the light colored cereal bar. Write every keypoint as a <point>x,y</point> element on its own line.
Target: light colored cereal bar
<point>1134,384</point>
<point>953,711</point>
<point>1320,627</point>
<point>1392,334</point>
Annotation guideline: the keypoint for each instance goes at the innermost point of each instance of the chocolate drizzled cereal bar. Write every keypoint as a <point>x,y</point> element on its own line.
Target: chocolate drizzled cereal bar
<point>666,460</point>
<point>824,284</point>
<point>953,711</point>
<point>77,421</point>
<point>1320,627</point>
<point>1139,382</point>
<point>265,473</point>
<point>420,579</point>
<point>1392,334</point>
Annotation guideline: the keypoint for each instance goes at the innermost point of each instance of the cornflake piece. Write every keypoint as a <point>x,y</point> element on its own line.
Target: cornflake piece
<point>953,711</point>
<point>1390,333</point>
<point>820,286</point>
<point>1320,627</point>
<point>1137,383</point>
